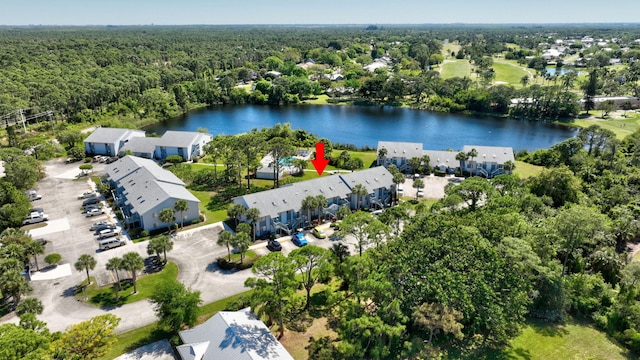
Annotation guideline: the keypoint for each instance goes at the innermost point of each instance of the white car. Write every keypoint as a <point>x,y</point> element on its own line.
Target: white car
<point>35,217</point>
<point>86,194</point>
<point>420,192</point>
<point>94,212</point>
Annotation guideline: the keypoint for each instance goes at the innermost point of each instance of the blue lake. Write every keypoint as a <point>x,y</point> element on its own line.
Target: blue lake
<point>366,125</point>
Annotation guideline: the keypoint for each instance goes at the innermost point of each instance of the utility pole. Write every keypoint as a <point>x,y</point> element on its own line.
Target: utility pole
<point>24,121</point>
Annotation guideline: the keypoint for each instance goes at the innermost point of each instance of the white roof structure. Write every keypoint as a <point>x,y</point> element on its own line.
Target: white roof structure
<point>495,154</point>
<point>406,150</point>
<point>231,335</point>
<point>288,197</point>
<point>111,135</point>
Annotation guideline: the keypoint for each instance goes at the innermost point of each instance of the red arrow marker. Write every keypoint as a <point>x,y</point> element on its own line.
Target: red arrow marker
<point>320,162</point>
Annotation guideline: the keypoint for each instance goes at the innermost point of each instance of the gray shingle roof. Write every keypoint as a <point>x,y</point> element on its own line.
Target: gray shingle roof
<point>182,139</point>
<point>144,191</point>
<point>440,157</point>
<point>273,202</point>
<point>140,145</point>
<point>232,335</point>
<point>495,154</point>
<point>110,135</point>
<point>126,165</point>
<point>401,149</point>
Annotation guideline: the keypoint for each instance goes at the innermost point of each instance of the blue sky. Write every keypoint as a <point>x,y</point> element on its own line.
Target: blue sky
<point>180,12</point>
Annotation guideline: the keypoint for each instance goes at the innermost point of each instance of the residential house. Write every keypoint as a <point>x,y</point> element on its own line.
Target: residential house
<point>237,335</point>
<point>109,141</point>
<point>489,162</point>
<point>142,189</point>
<point>187,144</point>
<point>281,209</point>
<point>399,153</point>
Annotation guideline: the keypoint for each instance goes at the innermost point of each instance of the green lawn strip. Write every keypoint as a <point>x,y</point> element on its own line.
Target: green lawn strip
<point>367,157</point>
<point>455,68</point>
<point>525,170</point>
<point>105,296</point>
<point>319,100</point>
<point>573,340</point>
<point>199,166</point>
<point>448,48</point>
<point>616,122</point>
<point>213,212</point>
<point>509,73</point>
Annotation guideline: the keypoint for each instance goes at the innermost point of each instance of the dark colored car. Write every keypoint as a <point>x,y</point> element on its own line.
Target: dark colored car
<point>91,201</point>
<point>111,159</point>
<point>274,245</point>
<point>299,239</point>
<point>104,227</point>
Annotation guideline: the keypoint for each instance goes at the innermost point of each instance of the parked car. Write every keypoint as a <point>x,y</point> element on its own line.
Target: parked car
<point>420,192</point>
<point>36,210</point>
<point>87,194</point>
<point>299,239</point>
<point>32,195</point>
<point>319,233</point>
<point>274,245</point>
<point>94,212</point>
<point>91,201</point>
<point>111,159</point>
<point>111,243</point>
<point>104,234</point>
<point>89,208</point>
<point>96,225</point>
<point>35,218</point>
<point>106,226</point>
<point>400,190</point>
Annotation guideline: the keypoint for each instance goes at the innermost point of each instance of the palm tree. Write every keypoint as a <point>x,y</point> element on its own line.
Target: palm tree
<point>160,244</point>
<point>30,306</point>
<point>226,239</point>
<point>415,162</point>
<point>425,163</point>
<point>524,80</point>
<point>181,206</point>
<point>85,262</point>
<point>242,241</point>
<point>382,154</point>
<point>462,157</point>
<point>321,202</point>
<point>508,166</point>
<point>235,212</point>
<point>115,264</point>
<point>34,248</point>
<point>167,216</point>
<point>253,216</point>
<point>359,190</point>
<point>472,154</point>
<point>309,203</point>
<point>418,184</point>
<point>13,284</point>
<point>133,262</point>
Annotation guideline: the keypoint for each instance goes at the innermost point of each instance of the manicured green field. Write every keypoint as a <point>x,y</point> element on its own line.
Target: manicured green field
<point>509,73</point>
<point>212,212</point>
<point>571,341</point>
<point>616,122</point>
<point>455,68</point>
<point>525,170</point>
<point>105,296</point>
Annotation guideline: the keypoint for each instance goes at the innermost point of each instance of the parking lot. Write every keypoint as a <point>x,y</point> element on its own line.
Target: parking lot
<point>67,231</point>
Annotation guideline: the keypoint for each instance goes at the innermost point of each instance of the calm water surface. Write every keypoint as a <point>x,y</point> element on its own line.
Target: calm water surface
<point>366,125</point>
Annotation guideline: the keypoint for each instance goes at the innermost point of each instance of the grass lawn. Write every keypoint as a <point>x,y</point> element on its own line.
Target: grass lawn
<point>455,68</point>
<point>509,73</point>
<point>319,100</point>
<point>573,340</point>
<point>105,296</point>
<point>212,212</point>
<point>448,48</point>
<point>616,122</point>
<point>525,170</point>
<point>367,157</point>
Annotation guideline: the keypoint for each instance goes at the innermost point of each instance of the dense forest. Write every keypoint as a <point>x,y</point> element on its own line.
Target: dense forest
<point>146,74</point>
<point>459,278</point>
